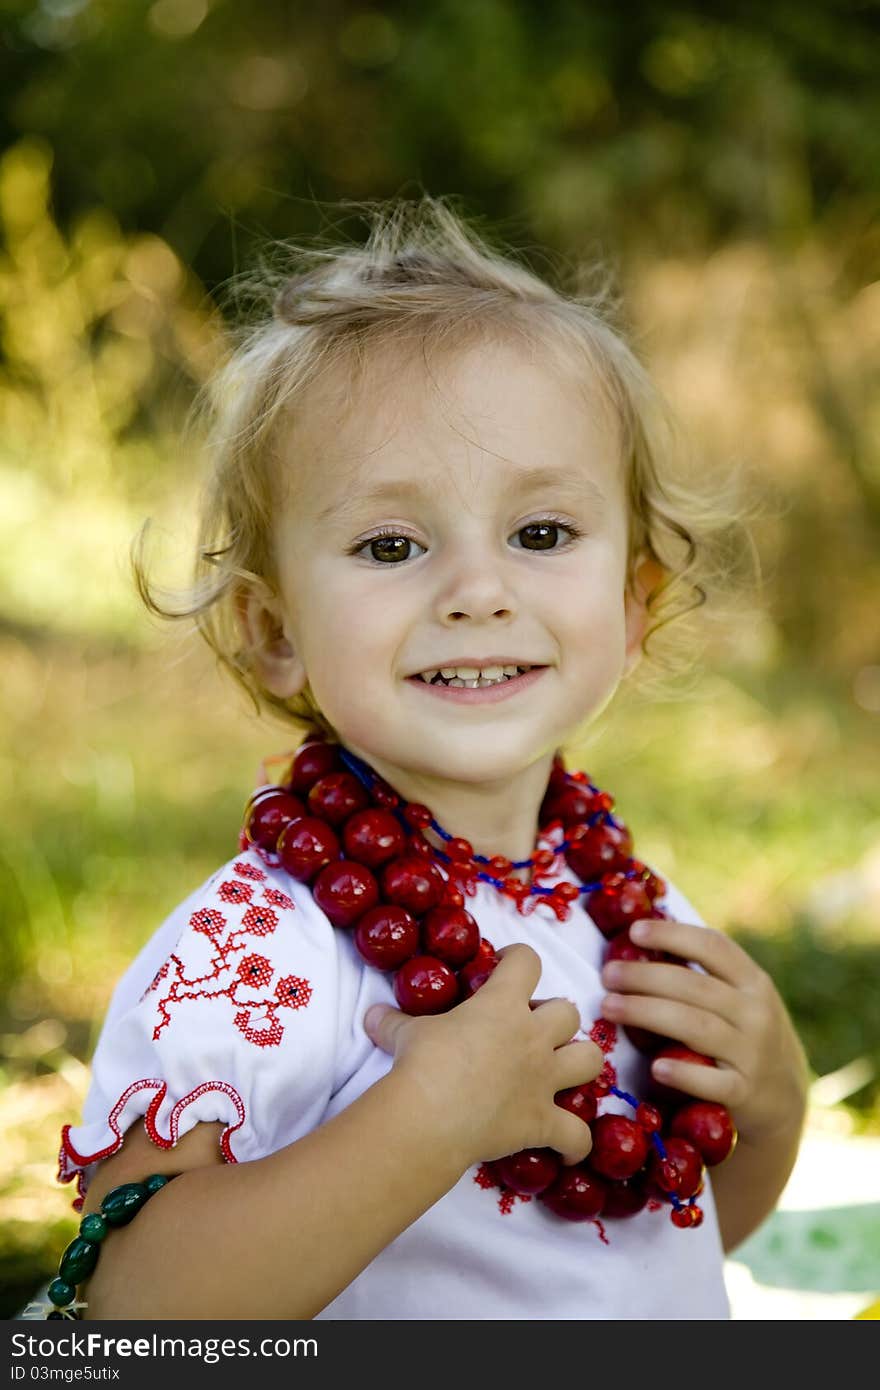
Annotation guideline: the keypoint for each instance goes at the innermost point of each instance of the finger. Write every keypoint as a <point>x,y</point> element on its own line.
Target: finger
<point>720,1084</point>
<point>559,1019</point>
<point>705,946</point>
<point>575,1064</point>
<point>671,982</point>
<point>518,970</point>
<point>697,1028</point>
<point>572,1138</point>
<point>382,1025</point>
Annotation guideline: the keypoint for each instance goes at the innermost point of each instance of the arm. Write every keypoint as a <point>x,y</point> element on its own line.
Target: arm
<point>733,1013</point>
<point>281,1236</point>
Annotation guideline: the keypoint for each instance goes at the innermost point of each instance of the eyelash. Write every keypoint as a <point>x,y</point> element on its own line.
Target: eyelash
<point>574,533</point>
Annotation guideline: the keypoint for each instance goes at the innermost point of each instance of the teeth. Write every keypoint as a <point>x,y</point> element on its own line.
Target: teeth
<point>472,677</point>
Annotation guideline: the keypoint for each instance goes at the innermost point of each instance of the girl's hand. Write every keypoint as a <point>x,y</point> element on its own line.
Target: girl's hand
<point>731,1013</point>
<point>484,1075</point>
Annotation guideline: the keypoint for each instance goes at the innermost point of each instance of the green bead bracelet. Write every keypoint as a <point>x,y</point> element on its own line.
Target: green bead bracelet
<point>118,1206</point>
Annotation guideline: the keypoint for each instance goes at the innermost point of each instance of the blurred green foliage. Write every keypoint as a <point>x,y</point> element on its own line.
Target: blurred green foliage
<point>723,159</point>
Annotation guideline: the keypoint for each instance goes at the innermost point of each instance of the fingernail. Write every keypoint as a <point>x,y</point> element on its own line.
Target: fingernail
<point>640,931</point>
<point>372,1016</point>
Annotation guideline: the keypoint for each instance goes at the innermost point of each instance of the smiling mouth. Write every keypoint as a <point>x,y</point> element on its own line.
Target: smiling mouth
<point>472,677</point>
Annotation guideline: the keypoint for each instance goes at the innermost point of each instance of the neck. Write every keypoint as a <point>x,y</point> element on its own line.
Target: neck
<point>498,817</point>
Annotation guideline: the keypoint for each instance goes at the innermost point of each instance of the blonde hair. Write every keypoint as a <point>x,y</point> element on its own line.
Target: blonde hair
<point>423,272</point>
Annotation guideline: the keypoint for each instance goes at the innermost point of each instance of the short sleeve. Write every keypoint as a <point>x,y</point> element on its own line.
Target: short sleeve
<point>230,1013</point>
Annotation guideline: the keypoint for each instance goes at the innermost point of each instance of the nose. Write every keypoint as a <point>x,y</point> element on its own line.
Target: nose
<point>476,587</point>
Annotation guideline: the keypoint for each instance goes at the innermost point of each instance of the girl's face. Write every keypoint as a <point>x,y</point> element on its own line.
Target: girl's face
<point>474,517</point>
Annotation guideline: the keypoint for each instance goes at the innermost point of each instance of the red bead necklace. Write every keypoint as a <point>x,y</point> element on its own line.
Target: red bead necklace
<point>337,826</point>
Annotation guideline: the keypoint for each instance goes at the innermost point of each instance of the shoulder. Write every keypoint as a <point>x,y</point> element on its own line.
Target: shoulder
<point>235,1011</point>
<point>244,911</point>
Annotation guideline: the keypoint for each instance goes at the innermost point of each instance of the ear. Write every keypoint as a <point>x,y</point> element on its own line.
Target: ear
<point>263,633</point>
<point>648,573</point>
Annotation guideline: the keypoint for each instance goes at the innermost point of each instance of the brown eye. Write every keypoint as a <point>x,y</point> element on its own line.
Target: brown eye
<point>387,548</point>
<point>539,535</point>
<point>390,548</point>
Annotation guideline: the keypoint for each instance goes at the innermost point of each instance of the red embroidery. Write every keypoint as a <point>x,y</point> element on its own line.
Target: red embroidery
<point>485,1178</point>
<point>245,981</point>
<point>604,1034</point>
<point>249,871</point>
<point>207,921</point>
<point>235,892</point>
<point>260,920</point>
<point>278,899</point>
<point>71,1162</point>
<point>156,980</point>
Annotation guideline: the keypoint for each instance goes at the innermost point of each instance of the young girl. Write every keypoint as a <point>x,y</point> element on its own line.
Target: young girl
<point>424,1047</point>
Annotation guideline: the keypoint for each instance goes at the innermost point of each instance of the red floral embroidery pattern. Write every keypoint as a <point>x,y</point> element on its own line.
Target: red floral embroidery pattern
<point>249,871</point>
<point>277,898</point>
<point>244,980</point>
<point>485,1178</point>
<point>235,892</point>
<point>604,1035</point>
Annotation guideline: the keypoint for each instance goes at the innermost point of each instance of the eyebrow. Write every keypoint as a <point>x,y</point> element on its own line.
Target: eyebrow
<point>523,482</point>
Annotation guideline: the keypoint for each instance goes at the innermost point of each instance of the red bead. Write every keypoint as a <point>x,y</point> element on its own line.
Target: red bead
<point>620,1147</point>
<point>386,936</point>
<point>499,866</point>
<point>614,909</point>
<point>696,1214</point>
<point>413,883</point>
<point>681,1217</point>
<point>268,789</point>
<point>372,837</point>
<point>486,951</point>
<point>474,974</point>
<point>681,1171</point>
<point>268,815</point>
<point>384,797</point>
<point>337,796</point>
<point>625,1198</point>
<point>649,1118</point>
<point>417,815</point>
<point>576,1195</point>
<point>515,888</point>
<point>425,985</point>
<point>344,891</point>
<point>460,851</point>
<point>566,891</point>
<point>452,896</point>
<point>450,934</point>
<point>655,887</point>
<point>314,760</point>
<point>417,844</point>
<point>305,846</point>
<point>571,804</point>
<point>622,947</point>
<point>528,1172</point>
<point>604,849</point>
<point>542,859</point>
<point>580,1101</point>
<point>708,1127</point>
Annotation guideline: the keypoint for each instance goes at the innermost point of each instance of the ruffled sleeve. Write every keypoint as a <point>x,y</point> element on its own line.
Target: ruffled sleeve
<point>230,1014</point>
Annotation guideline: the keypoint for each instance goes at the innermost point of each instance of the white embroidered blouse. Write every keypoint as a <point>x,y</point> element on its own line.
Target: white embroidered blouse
<point>246,1007</point>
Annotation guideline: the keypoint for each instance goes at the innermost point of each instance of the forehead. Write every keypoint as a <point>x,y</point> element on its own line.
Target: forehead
<point>482,420</point>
